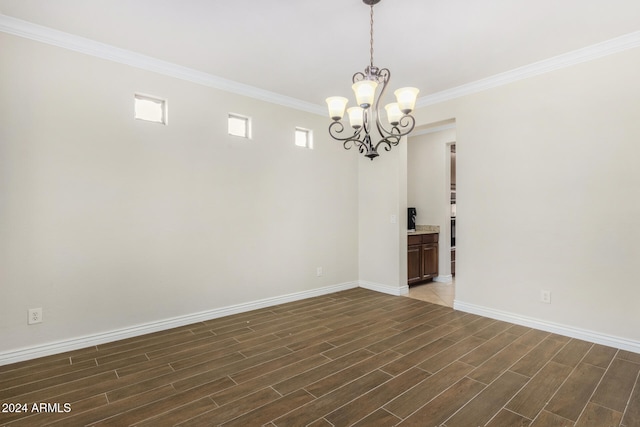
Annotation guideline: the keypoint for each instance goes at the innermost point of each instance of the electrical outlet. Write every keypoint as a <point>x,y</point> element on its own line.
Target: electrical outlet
<point>319,271</point>
<point>35,316</point>
<point>545,296</point>
<point>393,219</point>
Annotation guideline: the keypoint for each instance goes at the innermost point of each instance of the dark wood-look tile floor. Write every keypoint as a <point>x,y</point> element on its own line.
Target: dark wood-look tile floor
<point>351,358</point>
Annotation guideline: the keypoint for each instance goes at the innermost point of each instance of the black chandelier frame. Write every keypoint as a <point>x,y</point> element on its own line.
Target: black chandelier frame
<point>361,137</point>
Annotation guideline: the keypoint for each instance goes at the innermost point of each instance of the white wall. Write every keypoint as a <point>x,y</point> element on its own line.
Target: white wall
<point>107,222</point>
<point>429,187</point>
<point>547,182</point>
<point>382,192</point>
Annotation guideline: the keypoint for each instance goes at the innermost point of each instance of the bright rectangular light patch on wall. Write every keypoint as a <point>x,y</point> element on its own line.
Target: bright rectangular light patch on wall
<point>239,126</point>
<point>150,109</point>
<point>304,138</point>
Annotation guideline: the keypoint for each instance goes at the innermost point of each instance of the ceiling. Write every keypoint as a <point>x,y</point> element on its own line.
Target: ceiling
<point>309,50</point>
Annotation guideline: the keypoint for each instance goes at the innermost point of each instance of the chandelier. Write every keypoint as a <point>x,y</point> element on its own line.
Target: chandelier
<point>367,111</point>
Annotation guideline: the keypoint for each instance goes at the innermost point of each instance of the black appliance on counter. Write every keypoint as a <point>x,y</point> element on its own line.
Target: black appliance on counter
<point>411,220</point>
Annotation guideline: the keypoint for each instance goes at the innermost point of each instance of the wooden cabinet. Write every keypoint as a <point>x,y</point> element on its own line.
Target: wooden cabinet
<point>422,257</point>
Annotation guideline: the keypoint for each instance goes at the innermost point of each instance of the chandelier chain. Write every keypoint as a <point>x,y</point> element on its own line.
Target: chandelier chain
<point>371,38</point>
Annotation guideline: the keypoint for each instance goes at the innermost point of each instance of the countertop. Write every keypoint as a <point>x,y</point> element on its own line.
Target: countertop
<point>424,229</point>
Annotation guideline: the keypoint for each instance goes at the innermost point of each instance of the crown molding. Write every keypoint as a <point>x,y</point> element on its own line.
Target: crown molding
<point>86,46</point>
<point>431,130</point>
<point>589,53</point>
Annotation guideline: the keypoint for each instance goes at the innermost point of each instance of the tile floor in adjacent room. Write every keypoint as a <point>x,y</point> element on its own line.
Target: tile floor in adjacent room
<point>434,292</point>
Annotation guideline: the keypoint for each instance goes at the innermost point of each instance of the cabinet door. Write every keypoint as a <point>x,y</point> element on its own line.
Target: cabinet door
<point>414,264</point>
<point>429,260</point>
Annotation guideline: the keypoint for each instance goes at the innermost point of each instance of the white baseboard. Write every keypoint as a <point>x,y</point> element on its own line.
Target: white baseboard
<point>557,328</point>
<point>385,289</point>
<point>105,337</point>
<point>444,279</point>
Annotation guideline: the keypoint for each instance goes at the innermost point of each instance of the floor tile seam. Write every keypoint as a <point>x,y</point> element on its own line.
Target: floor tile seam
<point>483,390</point>
<point>368,345</point>
<point>555,392</point>
<point>601,406</point>
<point>593,392</point>
<point>194,365</point>
<point>171,381</point>
<point>212,326</point>
<point>405,392</point>
<point>636,385</point>
<point>550,358</point>
<point>426,343</point>
<point>216,406</point>
<point>112,346</point>
<point>455,360</point>
<point>168,398</point>
<point>519,359</point>
<point>122,412</point>
<point>13,398</point>
<point>504,408</point>
<point>71,414</point>
<point>604,374</point>
<point>515,393</point>
<point>359,337</point>
<point>335,390</point>
<point>399,335</point>
<point>270,371</point>
<point>567,379</point>
<point>224,369</point>
<point>273,421</point>
<point>63,394</point>
<point>628,360</point>
<point>553,413</point>
<point>134,347</point>
<point>328,360</point>
<point>44,378</point>
<point>20,419</point>
<point>263,351</point>
<point>444,422</point>
<point>194,349</point>
<point>540,370</point>
<point>353,422</point>
<point>28,364</point>
<point>29,370</point>
<point>378,368</point>
<point>316,344</point>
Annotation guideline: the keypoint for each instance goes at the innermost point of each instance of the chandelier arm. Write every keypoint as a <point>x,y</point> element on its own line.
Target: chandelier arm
<point>336,128</point>
<point>406,121</point>
<point>385,75</point>
<point>389,141</point>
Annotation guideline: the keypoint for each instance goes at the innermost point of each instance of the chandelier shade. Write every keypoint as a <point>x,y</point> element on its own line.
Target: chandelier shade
<point>393,113</point>
<point>406,98</point>
<point>365,91</point>
<point>369,88</point>
<point>356,117</point>
<point>336,105</point>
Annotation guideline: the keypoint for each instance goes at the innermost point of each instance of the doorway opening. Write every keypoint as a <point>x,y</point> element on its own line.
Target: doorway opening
<point>431,189</point>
